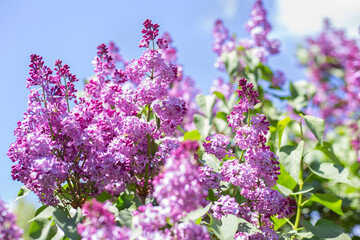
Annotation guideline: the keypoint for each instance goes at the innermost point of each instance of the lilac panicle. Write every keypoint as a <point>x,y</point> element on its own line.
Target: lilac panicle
<point>254,174</point>
<point>177,186</point>
<point>8,228</point>
<point>98,142</point>
<point>217,145</point>
<point>99,223</point>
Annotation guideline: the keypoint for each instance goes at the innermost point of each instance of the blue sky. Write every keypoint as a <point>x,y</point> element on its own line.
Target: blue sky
<point>71,31</point>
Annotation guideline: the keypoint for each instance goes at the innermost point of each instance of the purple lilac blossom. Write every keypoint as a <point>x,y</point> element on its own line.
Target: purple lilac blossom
<point>177,186</point>
<point>99,140</point>
<point>255,173</point>
<point>225,205</point>
<point>99,223</point>
<point>8,228</point>
<point>217,145</point>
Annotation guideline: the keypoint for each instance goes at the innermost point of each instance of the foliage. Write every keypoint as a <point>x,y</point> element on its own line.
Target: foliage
<point>143,155</point>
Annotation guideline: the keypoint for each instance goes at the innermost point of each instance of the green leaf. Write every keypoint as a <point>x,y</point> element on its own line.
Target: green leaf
<point>329,201</point>
<point>229,226</point>
<point>331,171</point>
<point>316,126</point>
<point>104,196</point>
<point>66,223</point>
<point>328,150</point>
<point>42,229</point>
<point>202,125</point>
<point>289,157</point>
<point>285,179</point>
<point>326,229</point>
<point>231,62</point>
<point>266,73</point>
<point>192,135</point>
<point>215,227</point>
<point>196,214</point>
<point>211,161</point>
<point>206,104</point>
<point>43,212</point>
<point>244,226</point>
<point>281,126</point>
<point>23,192</point>
<point>154,147</point>
<point>304,190</point>
<point>221,96</point>
<point>125,218</point>
<point>124,201</point>
<point>222,115</point>
<point>278,222</point>
<point>226,228</point>
<point>284,190</point>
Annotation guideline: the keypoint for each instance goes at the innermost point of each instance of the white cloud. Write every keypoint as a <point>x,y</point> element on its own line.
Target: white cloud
<point>305,17</point>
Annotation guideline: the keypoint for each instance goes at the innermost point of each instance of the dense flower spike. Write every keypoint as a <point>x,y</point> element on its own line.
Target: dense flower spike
<point>220,35</point>
<point>217,144</point>
<point>150,32</point>
<point>170,111</point>
<point>104,141</point>
<point>224,206</point>
<point>125,142</point>
<point>178,188</point>
<point>332,61</point>
<point>99,223</point>
<point>255,173</point>
<point>259,28</point>
<point>8,228</point>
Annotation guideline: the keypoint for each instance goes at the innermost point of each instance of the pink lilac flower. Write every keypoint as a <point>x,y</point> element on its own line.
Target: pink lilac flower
<point>114,52</point>
<point>259,28</point>
<point>225,205</point>
<point>217,145</point>
<point>255,173</point>
<point>8,228</point>
<point>187,90</point>
<point>169,54</point>
<point>189,231</point>
<point>99,223</point>
<point>177,187</point>
<point>209,178</point>
<point>278,78</point>
<point>150,31</point>
<point>220,35</point>
<point>183,87</point>
<point>100,141</point>
<point>170,111</point>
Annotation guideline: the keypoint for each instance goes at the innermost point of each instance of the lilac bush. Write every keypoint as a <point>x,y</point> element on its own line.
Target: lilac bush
<point>141,154</point>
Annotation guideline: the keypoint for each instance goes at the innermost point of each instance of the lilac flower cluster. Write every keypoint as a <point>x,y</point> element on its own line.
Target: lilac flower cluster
<point>217,144</point>
<point>258,47</point>
<point>334,68</point>
<point>177,192</point>
<point>99,223</point>
<point>255,173</point>
<point>8,228</point>
<point>104,141</point>
<point>259,28</point>
<point>184,86</point>
<point>170,111</point>
<point>328,52</point>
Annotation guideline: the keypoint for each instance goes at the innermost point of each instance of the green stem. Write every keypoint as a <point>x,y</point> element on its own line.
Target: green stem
<point>148,155</point>
<point>51,130</point>
<point>73,193</point>
<point>301,184</point>
<point>67,95</point>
